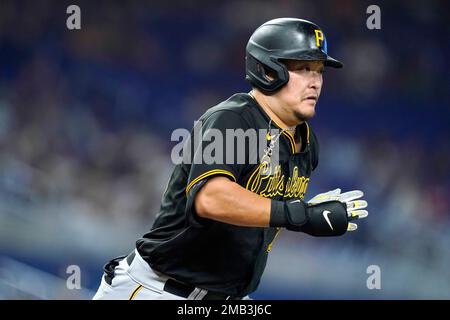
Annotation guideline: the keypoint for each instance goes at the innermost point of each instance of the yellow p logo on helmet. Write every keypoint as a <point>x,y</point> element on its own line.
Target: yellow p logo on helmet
<point>319,37</point>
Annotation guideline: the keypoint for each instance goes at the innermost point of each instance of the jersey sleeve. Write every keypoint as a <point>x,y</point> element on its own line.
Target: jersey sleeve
<point>215,152</point>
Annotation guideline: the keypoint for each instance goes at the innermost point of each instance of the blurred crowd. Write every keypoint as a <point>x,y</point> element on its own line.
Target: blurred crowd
<point>86,115</point>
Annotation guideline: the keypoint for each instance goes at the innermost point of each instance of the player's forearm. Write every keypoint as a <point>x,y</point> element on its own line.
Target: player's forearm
<point>223,200</point>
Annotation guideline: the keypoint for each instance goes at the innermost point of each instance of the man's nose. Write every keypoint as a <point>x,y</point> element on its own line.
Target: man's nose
<point>315,79</point>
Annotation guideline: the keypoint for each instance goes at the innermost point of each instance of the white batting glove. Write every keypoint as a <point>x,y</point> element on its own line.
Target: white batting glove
<point>327,196</point>
<point>350,198</point>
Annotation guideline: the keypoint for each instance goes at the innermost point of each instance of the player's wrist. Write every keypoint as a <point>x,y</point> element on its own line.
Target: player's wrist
<point>323,219</point>
<point>288,214</point>
<point>277,214</point>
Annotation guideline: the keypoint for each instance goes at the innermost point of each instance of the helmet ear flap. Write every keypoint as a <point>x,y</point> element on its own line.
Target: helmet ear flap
<point>269,76</point>
<point>264,73</point>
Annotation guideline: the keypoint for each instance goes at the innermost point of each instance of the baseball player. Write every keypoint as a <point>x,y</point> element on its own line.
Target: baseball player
<point>218,220</point>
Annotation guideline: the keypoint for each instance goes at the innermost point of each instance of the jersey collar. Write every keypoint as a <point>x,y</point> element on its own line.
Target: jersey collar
<point>302,130</point>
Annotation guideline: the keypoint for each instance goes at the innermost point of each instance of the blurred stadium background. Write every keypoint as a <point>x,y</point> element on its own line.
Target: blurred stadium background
<point>86,118</point>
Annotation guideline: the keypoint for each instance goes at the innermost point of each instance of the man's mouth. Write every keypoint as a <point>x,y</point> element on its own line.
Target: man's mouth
<point>311,97</point>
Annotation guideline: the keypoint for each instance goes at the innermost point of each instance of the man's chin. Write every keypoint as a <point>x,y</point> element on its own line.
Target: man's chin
<point>305,115</point>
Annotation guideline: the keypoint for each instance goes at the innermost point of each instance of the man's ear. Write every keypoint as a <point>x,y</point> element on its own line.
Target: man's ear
<point>268,74</point>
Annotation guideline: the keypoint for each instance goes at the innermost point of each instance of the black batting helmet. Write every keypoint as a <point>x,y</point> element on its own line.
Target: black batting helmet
<point>284,38</point>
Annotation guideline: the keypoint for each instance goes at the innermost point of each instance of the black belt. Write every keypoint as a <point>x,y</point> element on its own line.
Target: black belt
<point>185,290</point>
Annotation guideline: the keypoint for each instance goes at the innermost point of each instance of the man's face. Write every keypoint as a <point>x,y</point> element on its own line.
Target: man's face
<point>299,96</point>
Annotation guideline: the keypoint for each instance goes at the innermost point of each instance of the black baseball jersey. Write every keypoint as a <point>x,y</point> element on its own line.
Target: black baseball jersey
<point>213,255</point>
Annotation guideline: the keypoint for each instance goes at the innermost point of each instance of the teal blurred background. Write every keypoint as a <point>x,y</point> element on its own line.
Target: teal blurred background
<point>86,118</point>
